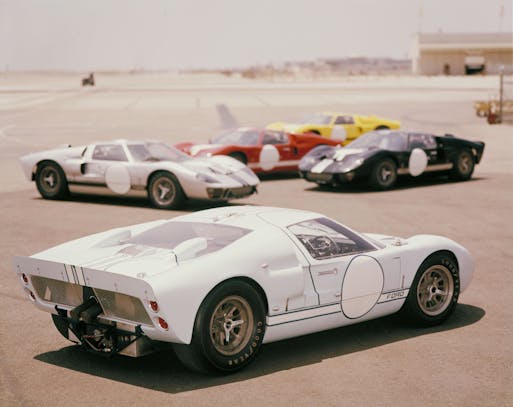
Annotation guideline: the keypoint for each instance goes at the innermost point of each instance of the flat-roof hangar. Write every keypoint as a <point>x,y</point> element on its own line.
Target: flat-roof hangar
<point>462,53</point>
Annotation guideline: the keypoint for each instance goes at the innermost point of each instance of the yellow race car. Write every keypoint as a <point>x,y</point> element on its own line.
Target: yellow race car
<point>340,126</point>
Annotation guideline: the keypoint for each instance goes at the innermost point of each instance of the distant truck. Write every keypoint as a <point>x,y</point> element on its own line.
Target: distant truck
<point>492,109</point>
<point>88,80</point>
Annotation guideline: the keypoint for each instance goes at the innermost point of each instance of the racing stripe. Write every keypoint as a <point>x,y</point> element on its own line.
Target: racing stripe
<point>69,273</point>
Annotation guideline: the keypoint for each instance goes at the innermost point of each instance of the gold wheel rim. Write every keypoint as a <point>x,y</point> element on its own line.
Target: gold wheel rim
<point>231,325</point>
<point>435,290</point>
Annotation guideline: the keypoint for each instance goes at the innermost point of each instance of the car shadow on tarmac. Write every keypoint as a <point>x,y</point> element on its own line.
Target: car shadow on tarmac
<point>191,205</point>
<point>404,183</point>
<point>163,372</point>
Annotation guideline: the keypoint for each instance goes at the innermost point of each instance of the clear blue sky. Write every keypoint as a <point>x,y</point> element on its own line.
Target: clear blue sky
<point>173,34</point>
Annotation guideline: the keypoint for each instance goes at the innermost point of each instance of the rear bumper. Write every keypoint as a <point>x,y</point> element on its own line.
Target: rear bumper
<point>58,288</point>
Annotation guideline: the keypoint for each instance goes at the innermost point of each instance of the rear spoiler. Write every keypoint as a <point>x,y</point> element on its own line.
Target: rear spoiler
<point>28,267</point>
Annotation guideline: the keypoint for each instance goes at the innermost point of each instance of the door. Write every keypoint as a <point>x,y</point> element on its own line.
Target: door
<point>331,249</point>
<point>107,165</point>
<point>277,153</point>
<point>345,129</point>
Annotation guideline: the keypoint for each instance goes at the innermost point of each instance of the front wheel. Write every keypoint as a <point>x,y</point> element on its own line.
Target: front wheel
<point>165,192</point>
<point>51,181</point>
<point>463,166</point>
<point>228,331</point>
<point>434,292</point>
<point>384,174</point>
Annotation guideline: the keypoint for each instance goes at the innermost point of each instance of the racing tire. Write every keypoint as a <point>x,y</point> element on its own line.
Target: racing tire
<point>383,127</point>
<point>228,330</point>
<point>239,157</point>
<point>384,174</point>
<point>463,166</point>
<point>51,181</point>
<point>434,292</point>
<point>165,191</point>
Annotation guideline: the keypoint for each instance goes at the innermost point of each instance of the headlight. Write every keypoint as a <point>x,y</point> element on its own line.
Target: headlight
<point>349,165</point>
<point>308,160</point>
<point>206,178</point>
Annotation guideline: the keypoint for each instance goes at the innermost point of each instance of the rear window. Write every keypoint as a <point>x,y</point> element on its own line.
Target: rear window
<point>171,234</point>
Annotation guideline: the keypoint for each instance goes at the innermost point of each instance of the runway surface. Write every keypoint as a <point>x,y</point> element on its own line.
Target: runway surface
<point>467,361</point>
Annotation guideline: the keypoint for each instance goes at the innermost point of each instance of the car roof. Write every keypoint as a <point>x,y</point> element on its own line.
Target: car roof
<point>125,141</point>
<point>251,217</point>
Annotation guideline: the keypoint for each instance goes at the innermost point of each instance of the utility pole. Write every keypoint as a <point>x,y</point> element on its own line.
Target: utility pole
<point>501,92</point>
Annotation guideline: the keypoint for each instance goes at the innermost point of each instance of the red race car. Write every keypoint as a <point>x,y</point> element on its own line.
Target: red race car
<point>262,150</point>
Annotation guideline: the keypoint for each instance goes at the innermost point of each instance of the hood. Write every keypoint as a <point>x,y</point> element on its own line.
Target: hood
<point>341,153</point>
<point>217,165</point>
<point>203,148</point>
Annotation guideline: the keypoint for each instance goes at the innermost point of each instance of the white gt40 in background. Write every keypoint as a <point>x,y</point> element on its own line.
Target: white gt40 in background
<point>219,283</point>
<point>121,167</point>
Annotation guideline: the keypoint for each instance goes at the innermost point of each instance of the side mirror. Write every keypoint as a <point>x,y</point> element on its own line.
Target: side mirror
<point>190,248</point>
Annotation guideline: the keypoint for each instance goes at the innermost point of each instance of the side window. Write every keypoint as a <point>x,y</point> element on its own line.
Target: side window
<point>109,152</point>
<point>325,239</point>
<point>424,141</point>
<point>344,120</point>
<point>275,138</point>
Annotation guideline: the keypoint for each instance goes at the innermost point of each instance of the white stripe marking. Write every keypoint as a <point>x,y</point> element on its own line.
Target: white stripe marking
<point>299,315</point>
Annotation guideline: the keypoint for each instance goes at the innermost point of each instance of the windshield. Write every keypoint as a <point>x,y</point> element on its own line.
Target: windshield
<point>324,238</point>
<point>317,119</point>
<point>385,140</point>
<point>156,152</point>
<point>171,234</point>
<point>238,137</point>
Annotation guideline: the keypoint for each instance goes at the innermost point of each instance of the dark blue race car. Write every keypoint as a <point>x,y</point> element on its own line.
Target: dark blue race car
<point>379,157</point>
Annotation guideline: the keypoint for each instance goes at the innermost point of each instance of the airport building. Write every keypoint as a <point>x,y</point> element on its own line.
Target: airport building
<point>462,53</point>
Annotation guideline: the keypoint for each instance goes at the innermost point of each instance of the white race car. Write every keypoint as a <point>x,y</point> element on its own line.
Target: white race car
<point>166,175</point>
<point>219,283</point>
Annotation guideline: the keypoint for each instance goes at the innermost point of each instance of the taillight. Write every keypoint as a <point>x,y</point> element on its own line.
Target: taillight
<point>24,278</point>
<point>154,306</point>
<point>163,324</point>
<point>31,295</point>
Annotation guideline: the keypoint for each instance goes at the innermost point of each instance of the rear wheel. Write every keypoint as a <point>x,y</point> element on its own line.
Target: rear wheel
<point>51,181</point>
<point>165,192</point>
<point>228,331</point>
<point>434,292</point>
<point>463,166</point>
<point>384,174</point>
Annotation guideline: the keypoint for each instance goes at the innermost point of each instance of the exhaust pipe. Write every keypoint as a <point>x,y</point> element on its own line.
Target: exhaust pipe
<point>87,311</point>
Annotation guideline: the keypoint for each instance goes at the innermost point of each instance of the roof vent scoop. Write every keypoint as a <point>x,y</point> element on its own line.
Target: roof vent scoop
<point>115,238</point>
<point>190,248</point>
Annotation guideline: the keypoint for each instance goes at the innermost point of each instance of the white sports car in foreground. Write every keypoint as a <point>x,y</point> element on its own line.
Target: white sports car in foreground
<point>166,175</point>
<point>219,283</point>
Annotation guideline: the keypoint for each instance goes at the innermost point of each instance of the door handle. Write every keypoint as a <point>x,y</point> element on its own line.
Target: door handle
<point>333,271</point>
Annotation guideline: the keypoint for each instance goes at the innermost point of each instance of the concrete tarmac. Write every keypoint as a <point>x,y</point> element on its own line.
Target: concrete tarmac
<point>467,361</point>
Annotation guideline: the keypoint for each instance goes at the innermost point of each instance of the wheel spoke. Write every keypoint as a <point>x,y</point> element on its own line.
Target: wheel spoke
<point>231,325</point>
<point>237,323</point>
